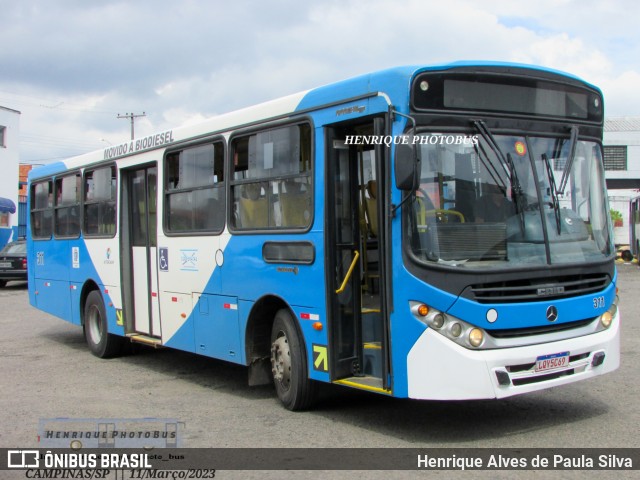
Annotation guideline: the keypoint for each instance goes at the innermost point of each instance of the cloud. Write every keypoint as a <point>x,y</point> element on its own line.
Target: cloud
<point>73,65</point>
<point>565,53</point>
<point>619,94</point>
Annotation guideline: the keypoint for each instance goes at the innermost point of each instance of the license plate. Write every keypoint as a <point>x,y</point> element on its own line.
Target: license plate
<point>553,361</point>
<point>5,264</point>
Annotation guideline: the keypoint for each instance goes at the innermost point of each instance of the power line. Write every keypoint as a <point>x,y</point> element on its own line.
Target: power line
<point>58,141</point>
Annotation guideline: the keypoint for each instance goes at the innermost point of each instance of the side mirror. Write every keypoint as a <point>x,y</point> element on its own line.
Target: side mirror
<point>407,166</point>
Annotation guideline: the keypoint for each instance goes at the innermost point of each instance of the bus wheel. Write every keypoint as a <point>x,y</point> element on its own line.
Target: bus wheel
<point>289,364</point>
<point>101,343</point>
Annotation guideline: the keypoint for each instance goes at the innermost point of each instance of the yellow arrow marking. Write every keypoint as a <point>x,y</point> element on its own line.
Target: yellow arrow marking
<point>320,362</point>
<point>119,320</point>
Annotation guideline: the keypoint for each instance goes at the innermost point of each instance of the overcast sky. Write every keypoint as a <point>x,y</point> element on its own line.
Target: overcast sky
<point>71,66</point>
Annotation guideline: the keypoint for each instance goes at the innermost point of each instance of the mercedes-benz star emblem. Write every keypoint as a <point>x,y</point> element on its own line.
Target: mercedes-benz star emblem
<point>552,313</point>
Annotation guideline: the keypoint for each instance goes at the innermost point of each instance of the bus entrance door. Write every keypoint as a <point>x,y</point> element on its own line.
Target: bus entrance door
<point>140,270</point>
<point>356,321</point>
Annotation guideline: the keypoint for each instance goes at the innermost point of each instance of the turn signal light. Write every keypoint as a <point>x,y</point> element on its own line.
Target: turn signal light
<point>423,310</point>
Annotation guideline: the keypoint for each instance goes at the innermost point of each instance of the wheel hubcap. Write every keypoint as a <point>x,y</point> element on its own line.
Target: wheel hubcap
<point>95,325</point>
<point>281,361</point>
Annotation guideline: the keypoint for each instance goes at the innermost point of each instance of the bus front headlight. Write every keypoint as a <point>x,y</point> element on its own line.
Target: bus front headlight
<point>459,331</point>
<point>476,336</point>
<point>438,320</point>
<point>607,317</point>
<point>456,329</point>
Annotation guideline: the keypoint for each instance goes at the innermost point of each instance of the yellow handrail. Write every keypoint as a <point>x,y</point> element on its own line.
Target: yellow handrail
<point>349,272</point>
<point>443,212</point>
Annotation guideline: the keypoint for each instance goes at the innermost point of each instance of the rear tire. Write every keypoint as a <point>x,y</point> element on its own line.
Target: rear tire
<point>3,283</point>
<point>96,329</point>
<point>289,364</point>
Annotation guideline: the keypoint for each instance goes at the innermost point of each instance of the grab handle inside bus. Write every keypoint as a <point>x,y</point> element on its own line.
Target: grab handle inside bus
<point>356,256</point>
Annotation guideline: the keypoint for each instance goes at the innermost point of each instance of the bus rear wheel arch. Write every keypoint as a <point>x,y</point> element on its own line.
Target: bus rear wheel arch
<point>96,328</point>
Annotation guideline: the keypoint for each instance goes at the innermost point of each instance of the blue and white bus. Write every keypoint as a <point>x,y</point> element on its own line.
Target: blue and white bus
<point>430,232</point>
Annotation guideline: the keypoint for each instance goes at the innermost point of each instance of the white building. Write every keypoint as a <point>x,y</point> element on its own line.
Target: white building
<point>9,159</point>
<point>622,168</point>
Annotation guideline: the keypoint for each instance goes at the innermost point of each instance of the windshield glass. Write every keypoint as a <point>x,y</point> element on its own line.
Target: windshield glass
<point>492,201</point>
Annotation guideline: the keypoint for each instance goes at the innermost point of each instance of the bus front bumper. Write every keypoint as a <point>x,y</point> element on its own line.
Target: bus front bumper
<point>438,369</point>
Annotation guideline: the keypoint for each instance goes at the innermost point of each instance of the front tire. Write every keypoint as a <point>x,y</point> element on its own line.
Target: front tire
<point>96,329</point>
<point>289,364</point>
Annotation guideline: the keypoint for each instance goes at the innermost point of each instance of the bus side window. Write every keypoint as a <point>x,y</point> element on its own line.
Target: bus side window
<point>194,189</point>
<point>67,207</point>
<point>271,185</point>
<point>295,202</point>
<point>41,209</point>
<point>254,205</point>
<point>100,202</point>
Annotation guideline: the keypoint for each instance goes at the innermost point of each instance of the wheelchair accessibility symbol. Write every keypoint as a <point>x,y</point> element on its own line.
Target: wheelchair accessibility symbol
<point>163,259</point>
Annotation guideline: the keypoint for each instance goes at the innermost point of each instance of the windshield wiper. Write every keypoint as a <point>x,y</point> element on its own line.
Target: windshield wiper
<point>553,191</point>
<point>570,156</point>
<point>491,169</point>
<point>507,161</point>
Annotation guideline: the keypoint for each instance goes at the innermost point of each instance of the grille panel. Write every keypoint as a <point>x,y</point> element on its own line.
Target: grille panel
<point>551,328</point>
<point>542,378</point>
<point>539,289</point>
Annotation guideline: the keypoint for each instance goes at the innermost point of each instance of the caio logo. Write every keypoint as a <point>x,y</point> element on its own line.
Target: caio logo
<point>23,459</point>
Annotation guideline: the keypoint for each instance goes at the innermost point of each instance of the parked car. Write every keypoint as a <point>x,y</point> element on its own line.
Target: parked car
<point>13,262</point>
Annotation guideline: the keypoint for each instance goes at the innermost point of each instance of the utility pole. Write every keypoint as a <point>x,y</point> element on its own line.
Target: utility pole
<point>132,116</point>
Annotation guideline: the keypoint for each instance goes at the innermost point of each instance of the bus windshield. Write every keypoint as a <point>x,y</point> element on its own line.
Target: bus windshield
<point>500,201</point>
